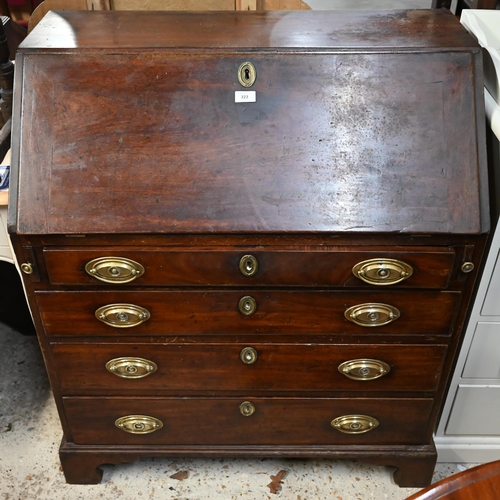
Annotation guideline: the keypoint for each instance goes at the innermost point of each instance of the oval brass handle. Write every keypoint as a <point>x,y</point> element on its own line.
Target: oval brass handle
<point>372,314</point>
<point>131,368</point>
<point>247,305</point>
<point>249,265</point>
<point>382,271</point>
<point>138,424</point>
<point>122,315</point>
<point>364,369</point>
<point>354,424</point>
<point>249,355</point>
<point>114,269</point>
<point>247,408</point>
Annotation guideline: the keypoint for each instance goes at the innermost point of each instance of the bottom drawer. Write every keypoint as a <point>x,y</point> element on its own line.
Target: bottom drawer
<point>247,421</point>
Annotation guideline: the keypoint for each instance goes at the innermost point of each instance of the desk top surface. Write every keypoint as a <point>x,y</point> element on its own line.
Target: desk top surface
<point>413,29</point>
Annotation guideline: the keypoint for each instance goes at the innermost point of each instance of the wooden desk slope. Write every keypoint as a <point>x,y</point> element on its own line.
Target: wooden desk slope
<point>217,272</point>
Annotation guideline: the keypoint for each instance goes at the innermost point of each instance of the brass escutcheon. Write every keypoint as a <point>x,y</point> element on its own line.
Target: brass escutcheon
<point>139,424</point>
<point>248,355</point>
<point>131,368</point>
<point>247,305</point>
<point>27,268</point>
<point>247,74</point>
<point>248,265</point>
<point>114,269</point>
<point>122,315</point>
<point>247,408</point>
<point>382,271</point>
<point>372,314</point>
<point>364,369</point>
<point>354,424</point>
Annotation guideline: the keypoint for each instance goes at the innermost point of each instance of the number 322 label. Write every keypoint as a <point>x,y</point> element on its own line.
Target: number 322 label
<point>245,96</point>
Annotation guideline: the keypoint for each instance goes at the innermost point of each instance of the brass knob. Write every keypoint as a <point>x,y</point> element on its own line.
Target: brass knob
<point>247,74</point>
<point>138,424</point>
<point>467,267</point>
<point>354,424</point>
<point>247,408</point>
<point>247,305</point>
<point>248,355</point>
<point>248,265</point>
<point>114,269</point>
<point>27,268</point>
<point>382,271</point>
<point>364,369</point>
<point>122,315</point>
<point>131,368</point>
<point>372,314</point>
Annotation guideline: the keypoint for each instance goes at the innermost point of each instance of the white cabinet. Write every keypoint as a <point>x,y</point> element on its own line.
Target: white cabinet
<point>469,427</point>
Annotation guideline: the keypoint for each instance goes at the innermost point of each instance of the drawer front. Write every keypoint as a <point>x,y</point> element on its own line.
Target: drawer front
<point>246,267</point>
<point>139,368</point>
<point>274,421</point>
<point>249,311</point>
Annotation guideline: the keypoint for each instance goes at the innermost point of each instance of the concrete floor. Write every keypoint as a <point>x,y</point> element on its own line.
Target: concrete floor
<point>30,435</point>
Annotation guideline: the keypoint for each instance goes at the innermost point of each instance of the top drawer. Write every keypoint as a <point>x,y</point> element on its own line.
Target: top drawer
<point>408,267</point>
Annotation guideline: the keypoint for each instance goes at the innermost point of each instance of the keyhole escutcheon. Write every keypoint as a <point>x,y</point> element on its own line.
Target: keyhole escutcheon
<point>247,74</point>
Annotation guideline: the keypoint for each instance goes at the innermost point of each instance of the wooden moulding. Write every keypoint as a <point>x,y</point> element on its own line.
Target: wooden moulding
<point>414,464</point>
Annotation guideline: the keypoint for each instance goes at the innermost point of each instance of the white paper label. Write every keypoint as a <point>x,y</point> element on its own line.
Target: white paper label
<point>245,96</point>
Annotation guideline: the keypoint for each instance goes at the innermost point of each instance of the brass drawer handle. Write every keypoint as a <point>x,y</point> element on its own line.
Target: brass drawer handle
<point>372,314</point>
<point>131,368</point>
<point>139,424</point>
<point>247,408</point>
<point>122,315</point>
<point>382,271</point>
<point>114,269</point>
<point>354,424</point>
<point>247,305</point>
<point>249,265</point>
<point>364,369</point>
<point>249,355</point>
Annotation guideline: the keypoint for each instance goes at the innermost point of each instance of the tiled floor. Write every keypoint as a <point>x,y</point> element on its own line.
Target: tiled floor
<point>30,435</point>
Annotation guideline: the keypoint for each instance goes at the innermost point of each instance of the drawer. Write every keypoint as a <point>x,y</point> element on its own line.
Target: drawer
<point>220,421</point>
<point>227,312</point>
<point>311,266</point>
<point>145,368</point>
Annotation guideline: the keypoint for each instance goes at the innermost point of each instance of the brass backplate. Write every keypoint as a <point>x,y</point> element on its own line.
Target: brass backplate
<point>114,270</point>
<point>354,424</point>
<point>122,315</point>
<point>372,314</point>
<point>364,369</point>
<point>382,271</point>
<point>131,368</point>
<point>138,424</point>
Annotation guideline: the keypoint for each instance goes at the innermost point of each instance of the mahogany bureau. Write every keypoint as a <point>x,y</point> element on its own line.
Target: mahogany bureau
<point>249,234</point>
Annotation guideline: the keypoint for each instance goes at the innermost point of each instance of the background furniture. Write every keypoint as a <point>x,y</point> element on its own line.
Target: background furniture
<point>468,429</point>
<point>181,5</point>
<point>465,4</point>
<point>481,482</point>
